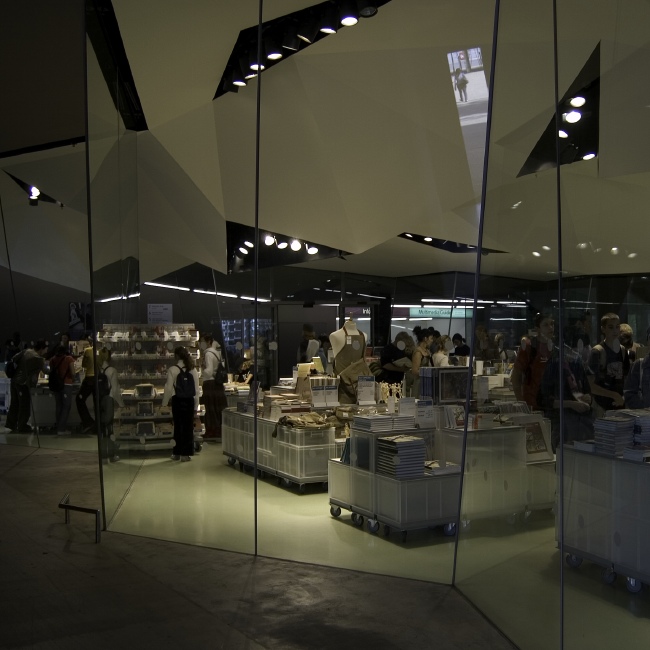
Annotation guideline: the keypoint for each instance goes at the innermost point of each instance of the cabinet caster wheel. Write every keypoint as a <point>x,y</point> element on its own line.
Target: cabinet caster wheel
<point>609,576</point>
<point>231,461</point>
<point>357,520</point>
<point>404,535</point>
<point>373,525</point>
<point>386,531</point>
<point>335,511</point>
<point>573,560</point>
<point>449,530</point>
<point>633,585</point>
<point>301,488</point>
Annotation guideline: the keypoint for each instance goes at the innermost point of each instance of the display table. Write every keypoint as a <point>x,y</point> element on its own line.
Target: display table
<point>607,515</point>
<point>296,456</point>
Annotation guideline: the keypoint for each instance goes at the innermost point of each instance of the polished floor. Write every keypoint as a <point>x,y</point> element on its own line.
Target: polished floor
<point>509,569</point>
<point>60,590</point>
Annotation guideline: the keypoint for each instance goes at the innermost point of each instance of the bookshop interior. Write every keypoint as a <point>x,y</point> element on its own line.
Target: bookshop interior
<point>400,242</point>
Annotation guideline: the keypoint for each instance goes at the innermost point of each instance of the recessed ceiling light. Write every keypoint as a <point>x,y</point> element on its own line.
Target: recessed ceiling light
<point>408,235</point>
<point>632,255</point>
<point>243,250</point>
<point>295,245</point>
<point>562,134</point>
<point>582,245</point>
<point>614,250</point>
<point>282,244</point>
<point>572,117</point>
<point>546,248</point>
<point>428,239</point>
<point>312,250</point>
<point>249,244</point>
<point>515,205</point>
<point>536,254</point>
<point>577,102</point>
<point>269,240</point>
<point>589,156</point>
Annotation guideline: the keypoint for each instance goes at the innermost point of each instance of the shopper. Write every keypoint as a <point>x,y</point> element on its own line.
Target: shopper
<point>627,341</point>
<point>531,361</point>
<point>214,395</point>
<point>30,363</point>
<point>440,357</point>
<point>87,388</point>
<point>609,365</point>
<point>460,84</point>
<point>461,349</point>
<point>395,359</point>
<point>110,397</point>
<point>421,358</point>
<point>182,389</point>
<point>62,364</point>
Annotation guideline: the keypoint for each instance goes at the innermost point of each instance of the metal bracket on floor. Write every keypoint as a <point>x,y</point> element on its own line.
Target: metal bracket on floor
<point>67,507</point>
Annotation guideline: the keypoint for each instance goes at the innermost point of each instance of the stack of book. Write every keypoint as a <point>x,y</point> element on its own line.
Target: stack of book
<point>637,453</point>
<point>401,422</point>
<point>641,423</point>
<point>432,467</point>
<point>401,456</point>
<point>373,422</point>
<point>613,434</point>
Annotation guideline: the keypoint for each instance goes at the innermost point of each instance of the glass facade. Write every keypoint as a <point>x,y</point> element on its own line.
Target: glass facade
<point>476,171</point>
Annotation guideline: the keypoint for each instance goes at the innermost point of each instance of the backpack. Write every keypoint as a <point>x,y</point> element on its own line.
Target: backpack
<point>103,383</point>
<point>11,367</point>
<point>55,382</point>
<point>184,386</point>
<point>220,374</point>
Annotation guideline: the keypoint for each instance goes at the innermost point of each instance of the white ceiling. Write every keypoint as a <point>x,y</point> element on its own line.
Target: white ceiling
<point>360,141</point>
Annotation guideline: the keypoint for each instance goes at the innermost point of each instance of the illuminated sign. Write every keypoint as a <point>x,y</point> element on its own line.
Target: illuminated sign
<point>440,312</point>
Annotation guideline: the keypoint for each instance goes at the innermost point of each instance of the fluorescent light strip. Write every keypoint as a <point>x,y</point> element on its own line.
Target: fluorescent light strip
<point>227,295</point>
<point>253,299</point>
<point>507,318</point>
<point>407,306</point>
<point>400,318</point>
<point>367,295</point>
<point>363,319</point>
<point>113,299</point>
<point>435,299</point>
<point>134,295</point>
<point>166,286</point>
<point>209,293</point>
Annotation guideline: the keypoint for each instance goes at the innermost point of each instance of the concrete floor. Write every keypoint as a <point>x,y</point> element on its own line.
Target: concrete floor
<point>61,590</point>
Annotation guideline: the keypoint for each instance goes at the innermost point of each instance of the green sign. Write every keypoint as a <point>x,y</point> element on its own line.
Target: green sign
<point>440,312</point>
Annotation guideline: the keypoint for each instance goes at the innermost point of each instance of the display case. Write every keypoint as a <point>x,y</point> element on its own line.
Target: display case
<point>142,354</point>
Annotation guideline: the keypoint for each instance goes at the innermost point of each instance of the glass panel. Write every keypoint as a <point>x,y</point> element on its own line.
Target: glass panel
<point>605,525</point>
<point>351,149</point>
<point>43,240</point>
<point>124,444</point>
<point>507,559</point>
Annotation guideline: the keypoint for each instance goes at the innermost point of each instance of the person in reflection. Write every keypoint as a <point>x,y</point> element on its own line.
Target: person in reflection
<point>214,394</point>
<point>441,355</point>
<point>30,364</point>
<point>421,358</point>
<point>461,349</point>
<point>531,361</point>
<point>63,364</point>
<point>185,406</point>
<point>460,84</point>
<point>87,388</point>
<point>609,365</point>
<point>107,404</point>
<point>627,341</point>
<point>395,359</point>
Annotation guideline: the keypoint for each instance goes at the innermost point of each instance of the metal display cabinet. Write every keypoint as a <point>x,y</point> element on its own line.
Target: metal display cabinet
<point>295,456</point>
<point>398,504</point>
<point>607,515</point>
<point>142,354</point>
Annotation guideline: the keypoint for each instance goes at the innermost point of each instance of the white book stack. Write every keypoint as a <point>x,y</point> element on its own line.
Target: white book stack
<point>373,422</point>
<point>401,422</point>
<point>637,453</point>
<point>613,433</point>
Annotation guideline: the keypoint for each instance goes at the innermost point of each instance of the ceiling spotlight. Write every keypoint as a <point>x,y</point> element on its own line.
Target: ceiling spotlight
<point>409,235</point>
<point>308,31</point>
<point>269,240</point>
<point>250,75</point>
<point>282,245</point>
<point>577,102</point>
<point>295,245</point>
<point>428,239</point>
<point>562,134</point>
<point>34,193</point>
<point>243,250</point>
<point>367,8</point>
<point>249,244</point>
<point>312,250</point>
<point>536,254</point>
<point>614,250</point>
<point>237,76</point>
<point>273,51</point>
<point>348,13</point>
<point>291,41</point>
<point>582,245</point>
<point>589,156</point>
<point>572,117</point>
<point>253,63</point>
<point>330,21</point>
<point>546,248</point>
<point>631,255</point>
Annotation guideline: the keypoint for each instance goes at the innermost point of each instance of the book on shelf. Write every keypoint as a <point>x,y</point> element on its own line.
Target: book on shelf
<point>584,445</point>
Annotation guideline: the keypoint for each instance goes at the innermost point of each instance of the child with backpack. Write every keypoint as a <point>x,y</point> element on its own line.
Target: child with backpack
<point>182,389</point>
